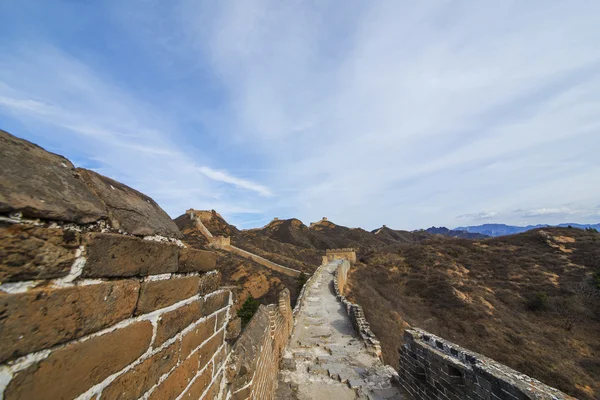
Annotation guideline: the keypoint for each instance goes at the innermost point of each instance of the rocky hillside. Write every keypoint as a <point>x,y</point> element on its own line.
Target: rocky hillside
<point>530,301</point>
<point>251,278</point>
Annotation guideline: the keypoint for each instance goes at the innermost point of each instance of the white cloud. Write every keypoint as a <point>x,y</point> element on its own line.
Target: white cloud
<point>225,177</point>
<point>406,114</point>
<point>479,215</point>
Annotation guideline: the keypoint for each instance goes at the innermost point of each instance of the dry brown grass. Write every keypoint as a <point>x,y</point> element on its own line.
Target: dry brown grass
<point>528,300</point>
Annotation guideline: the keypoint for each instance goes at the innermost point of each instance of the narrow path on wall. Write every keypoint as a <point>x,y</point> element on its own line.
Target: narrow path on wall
<point>325,358</point>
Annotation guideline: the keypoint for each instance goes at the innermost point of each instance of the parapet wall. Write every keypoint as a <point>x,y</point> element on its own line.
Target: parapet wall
<point>433,368</point>
<point>355,312</point>
<point>98,297</point>
<point>253,366</point>
<point>341,254</point>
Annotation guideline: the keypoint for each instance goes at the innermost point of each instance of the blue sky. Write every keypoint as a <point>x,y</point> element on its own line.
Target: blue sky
<point>403,113</point>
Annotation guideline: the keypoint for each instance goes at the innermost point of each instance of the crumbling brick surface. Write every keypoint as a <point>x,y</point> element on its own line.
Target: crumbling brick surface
<point>111,255</point>
<point>89,308</point>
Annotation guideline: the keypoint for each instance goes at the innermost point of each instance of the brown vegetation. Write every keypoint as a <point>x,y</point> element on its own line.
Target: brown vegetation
<point>529,301</point>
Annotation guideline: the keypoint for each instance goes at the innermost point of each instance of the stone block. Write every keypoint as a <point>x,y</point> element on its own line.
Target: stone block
<point>113,255</point>
<point>173,322</point>
<point>221,319</point>
<point>209,283</point>
<point>70,371</point>
<point>43,185</point>
<point>200,384</point>
<point>193,260</point>
<point>41,318</point>
<point>215,302</point>
<point>208,349</point>
<point>159,294</point>
<point>135,382</point>
<point>220,358</point>
<point>128,209</point>
<point>177,381</point>
<point>197,336</point>
<point>234,328</point>
<point>213,390</point>
<point>28,252</point>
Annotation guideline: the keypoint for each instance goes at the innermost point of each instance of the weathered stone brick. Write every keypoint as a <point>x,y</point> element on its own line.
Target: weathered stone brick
<point>215,302</point>
<point>213,391</point>
<point>163,293</point>
<point>72,370</point>
<point>196,336</point>
<point>173,322</point>
<point>209,283</point>
<point>234,328</point>
<point>41,318</point>
<point>177,381</point>
<point>29,252</point>
<point>221,319</point>
<point>43,185</point>
<point>193,260</point>
<point>242,394</point>
<point>128,209</point>
<point>200,384</point>
<point>208,349</point>
<point>135,382</point>
<point>113,255</point>
<point>220,358</point>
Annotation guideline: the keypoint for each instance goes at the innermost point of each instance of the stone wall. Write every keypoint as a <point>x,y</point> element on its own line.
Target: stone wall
<point>253,366</point>
<point>355,312</point>
<point>224,243</point>
<point>341,254</point>
<point>433,368</point>
<point>99,299</point>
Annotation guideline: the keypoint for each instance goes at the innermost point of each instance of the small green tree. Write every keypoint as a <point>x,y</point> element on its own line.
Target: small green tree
<point>300,281</point>
<point>248,309</point>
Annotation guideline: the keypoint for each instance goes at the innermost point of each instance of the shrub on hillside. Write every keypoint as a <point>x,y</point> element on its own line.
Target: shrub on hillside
<point>248,309</point>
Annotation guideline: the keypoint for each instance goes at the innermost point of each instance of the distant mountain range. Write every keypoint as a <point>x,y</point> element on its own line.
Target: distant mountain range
<point>503,230</point>
<point>460,233</point>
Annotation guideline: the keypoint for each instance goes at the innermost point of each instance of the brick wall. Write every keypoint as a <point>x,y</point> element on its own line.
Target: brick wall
<point>433,368</point>
<point>344,254</point>
<point>355,312</point>
<point>99,299</point>
<point>253,366</point>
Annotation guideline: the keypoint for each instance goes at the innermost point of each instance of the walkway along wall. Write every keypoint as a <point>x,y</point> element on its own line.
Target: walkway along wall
<point>254,363</point>
<point>98,297</point>
<point>355,312</point>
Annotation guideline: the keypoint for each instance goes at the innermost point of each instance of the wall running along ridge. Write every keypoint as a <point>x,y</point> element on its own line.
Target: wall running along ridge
<point>355,312</point>
<point>99,298</point>
<point>433,368</point>
<point>224,243</point>
<point>254,363</point>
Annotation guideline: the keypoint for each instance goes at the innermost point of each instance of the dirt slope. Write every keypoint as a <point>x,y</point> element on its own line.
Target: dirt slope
<point>530,301</point>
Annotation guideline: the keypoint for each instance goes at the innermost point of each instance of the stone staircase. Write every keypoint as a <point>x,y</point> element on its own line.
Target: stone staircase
<point>325,358</point>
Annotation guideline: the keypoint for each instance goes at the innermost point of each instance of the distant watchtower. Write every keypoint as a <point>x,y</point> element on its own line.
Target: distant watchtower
<point>343,254</point>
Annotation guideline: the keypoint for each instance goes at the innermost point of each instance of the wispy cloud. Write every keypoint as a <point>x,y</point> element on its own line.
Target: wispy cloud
<point>479,215</point>
<point>406,114</point>
<point>225,177</point>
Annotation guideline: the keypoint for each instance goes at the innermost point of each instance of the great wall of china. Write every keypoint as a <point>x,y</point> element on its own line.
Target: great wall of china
<point>100,299</point>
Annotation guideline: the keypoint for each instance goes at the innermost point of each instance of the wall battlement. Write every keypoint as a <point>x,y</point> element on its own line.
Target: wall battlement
<point>253,366</point>
<point>431,367</point>
<point>341,254</point>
